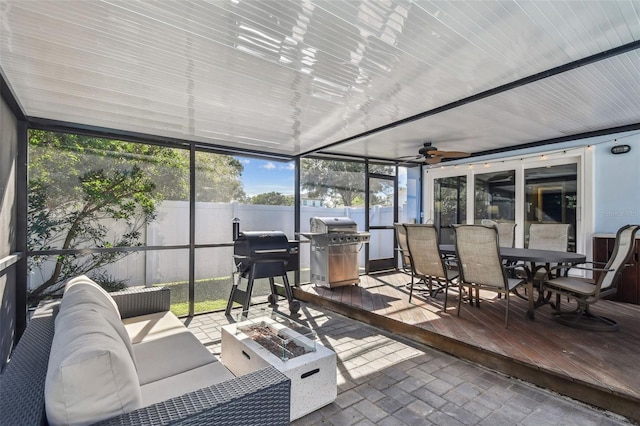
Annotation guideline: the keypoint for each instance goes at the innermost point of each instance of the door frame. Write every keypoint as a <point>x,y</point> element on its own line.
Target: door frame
<point>382,264</point>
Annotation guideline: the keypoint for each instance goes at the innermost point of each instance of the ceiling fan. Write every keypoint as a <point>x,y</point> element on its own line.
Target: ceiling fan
<point>433,155</point>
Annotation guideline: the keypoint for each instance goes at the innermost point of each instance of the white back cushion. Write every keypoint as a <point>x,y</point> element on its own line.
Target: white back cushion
<point>81,292</point>
<point>90,375</point>
<point>101,295</point>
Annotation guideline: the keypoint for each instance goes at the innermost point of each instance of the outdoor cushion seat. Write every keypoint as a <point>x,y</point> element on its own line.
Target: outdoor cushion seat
<point>173,355</point>
<point>152,326</point>
<point>185,382</point>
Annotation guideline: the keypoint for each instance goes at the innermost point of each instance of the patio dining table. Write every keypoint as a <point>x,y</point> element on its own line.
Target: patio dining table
<point>538,259</point>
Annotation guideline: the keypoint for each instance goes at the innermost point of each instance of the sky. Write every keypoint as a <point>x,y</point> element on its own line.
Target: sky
<point>261,176</point>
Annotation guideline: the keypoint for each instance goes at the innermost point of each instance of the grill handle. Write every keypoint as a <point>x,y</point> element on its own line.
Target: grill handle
<point>266,251</point>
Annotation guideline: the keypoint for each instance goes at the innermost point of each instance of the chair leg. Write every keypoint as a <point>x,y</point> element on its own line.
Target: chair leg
<point>411,289</point>
<point>582,318</point>
<point>459,298</point>
<point>506,315</point>
<point>446,293</point>
<point>531,311</point>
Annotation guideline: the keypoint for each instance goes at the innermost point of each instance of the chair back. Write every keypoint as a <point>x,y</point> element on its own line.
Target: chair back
<point>506,232</point>
<point>622,250</point>
<point>425,252</point>
<point>549,236</point>
<point>479,255</point>
<point>401,238</point>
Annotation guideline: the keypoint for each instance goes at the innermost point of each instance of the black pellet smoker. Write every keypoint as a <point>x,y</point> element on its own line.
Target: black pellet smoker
<point>262,254</point>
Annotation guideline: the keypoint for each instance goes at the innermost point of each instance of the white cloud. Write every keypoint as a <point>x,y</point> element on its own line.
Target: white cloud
<point>291,166</point>
<point>245,161</point>
<point>269,166</point>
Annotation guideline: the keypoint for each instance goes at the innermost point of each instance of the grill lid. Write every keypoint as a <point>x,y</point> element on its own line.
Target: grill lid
<point>262,244</point>
<point>332,224</point>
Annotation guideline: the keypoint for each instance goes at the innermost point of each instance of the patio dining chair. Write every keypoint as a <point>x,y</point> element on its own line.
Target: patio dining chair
<point>506,232</point>
<point>427,262</point>
<point>481,267</point>
<point>403,249</point>
<point>547,236</point>
<point>588,291</point>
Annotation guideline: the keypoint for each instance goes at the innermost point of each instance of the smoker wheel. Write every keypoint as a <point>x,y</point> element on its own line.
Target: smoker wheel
<point>272,299</point>
<point>294,306</point>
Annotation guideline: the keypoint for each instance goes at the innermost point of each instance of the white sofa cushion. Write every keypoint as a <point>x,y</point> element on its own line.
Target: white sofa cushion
<point>82,292</point>
<point>91,375</point>
<point>171,355</point>
<point>188,381</point>
<point>101,295</point>
<point>152,326</point>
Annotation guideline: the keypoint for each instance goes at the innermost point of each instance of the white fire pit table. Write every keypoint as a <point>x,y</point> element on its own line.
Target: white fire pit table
<point>290,347</point>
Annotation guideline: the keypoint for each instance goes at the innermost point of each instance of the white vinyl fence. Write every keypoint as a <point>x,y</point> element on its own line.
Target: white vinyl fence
<point>214,226</point>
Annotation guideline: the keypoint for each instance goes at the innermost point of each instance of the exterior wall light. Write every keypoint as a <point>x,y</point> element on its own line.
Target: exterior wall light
<point>620,149</point>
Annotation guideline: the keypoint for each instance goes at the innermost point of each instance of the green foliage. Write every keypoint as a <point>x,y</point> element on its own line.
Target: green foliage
<point>273,199</point>
<point>218,178</point>
<point>342,182</point>
<point>108,282</point>
<point>87,192</point>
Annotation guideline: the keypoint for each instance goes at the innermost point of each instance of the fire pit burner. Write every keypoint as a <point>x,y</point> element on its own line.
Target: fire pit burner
<point>275,342</point>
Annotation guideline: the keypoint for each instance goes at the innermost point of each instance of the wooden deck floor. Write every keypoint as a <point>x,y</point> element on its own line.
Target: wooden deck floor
<point>599,368</point>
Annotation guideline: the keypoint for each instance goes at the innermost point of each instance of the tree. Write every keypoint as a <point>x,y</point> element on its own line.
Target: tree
<point>272,199</point>
<point>87,192</point>
<point>218,178</point>
<point>340,181</point>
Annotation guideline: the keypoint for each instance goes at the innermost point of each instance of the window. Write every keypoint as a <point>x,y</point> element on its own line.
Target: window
<point>551,197</point>
<point>450,205</point>
<point>495,196</point>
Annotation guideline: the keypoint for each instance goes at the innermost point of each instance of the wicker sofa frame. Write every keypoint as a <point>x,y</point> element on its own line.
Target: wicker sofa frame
<point>258,398</point>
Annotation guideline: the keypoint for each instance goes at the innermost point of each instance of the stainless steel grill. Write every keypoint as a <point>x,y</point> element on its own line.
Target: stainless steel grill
<point>335,243</point>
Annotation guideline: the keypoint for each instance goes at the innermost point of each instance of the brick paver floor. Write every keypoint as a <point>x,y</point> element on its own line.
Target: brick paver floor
<point>385,380</point>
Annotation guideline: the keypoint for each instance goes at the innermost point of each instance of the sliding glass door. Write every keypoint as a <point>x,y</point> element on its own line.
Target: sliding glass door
<point>537,189</point>
<point>449,205</point>
<point>551,196</point>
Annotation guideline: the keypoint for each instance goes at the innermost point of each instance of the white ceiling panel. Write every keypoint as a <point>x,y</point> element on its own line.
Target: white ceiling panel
<point>586,99</point>
<point>292,77</point>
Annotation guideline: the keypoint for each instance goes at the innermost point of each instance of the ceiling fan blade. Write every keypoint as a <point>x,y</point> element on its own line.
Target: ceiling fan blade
<point>433,160</point>
<point>409,157</point>
<point>449,154</point>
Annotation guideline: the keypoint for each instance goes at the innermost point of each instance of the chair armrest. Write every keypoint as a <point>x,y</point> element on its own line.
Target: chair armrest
<point>136,301</point>
<point>519,267</point>
<point>583,268</point>
<point>451,261</point>
<point>258,398</point>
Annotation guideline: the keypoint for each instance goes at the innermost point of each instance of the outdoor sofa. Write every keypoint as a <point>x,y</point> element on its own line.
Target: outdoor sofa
<point>143,367</point>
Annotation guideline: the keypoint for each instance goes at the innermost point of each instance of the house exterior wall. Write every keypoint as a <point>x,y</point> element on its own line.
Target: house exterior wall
<point>617,185</point>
